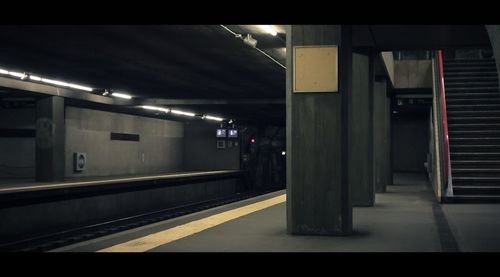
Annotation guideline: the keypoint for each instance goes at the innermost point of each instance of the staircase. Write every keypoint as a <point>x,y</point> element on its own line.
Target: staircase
<point>473,108</point>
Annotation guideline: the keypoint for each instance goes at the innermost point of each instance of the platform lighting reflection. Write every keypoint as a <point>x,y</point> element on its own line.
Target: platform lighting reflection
<point>269,29</point>
<point>121,95</point>
<point>213,118</point>
<point>182,113</point>
<point>3,71</point>
<point>153,108</point>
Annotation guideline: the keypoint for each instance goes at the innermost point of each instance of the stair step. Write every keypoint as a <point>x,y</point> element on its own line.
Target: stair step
<point>472,79</point>
<point>450,84</point>
<point>471,95</point>
<point>474,172</point>
<point>459,60</point>
<point>475,163</point>
<point>474,113</point>
<point>475,155</point>
<point>474,133</point>
<point>479,198</point>
<point>461,63</point>
<point>475,147</point>
<point>469,74</point>
<point>472,101</point>
<point>471,89</point>
<point>473,126</point>
<point>472,119</point>
<point>474,107</point>
<point>476,141</point>
<point>481,68</point>
<point>476,190</point>
<point>492,179</point>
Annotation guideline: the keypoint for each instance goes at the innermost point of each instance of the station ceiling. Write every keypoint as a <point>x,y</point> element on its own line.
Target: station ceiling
<point>156,62</point>
<point>202,62</point>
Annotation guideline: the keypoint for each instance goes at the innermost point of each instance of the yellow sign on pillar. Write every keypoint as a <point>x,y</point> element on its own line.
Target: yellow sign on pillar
<point>315,69</point>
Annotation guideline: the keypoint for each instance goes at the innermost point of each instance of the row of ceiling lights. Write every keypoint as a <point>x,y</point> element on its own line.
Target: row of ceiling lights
<point>167,110</point>
<point>25,76</point>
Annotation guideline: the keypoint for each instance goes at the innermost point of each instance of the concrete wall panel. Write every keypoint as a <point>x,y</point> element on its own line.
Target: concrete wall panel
<point>201,153</point>
<point>17,155</point>
<point>88,131</point>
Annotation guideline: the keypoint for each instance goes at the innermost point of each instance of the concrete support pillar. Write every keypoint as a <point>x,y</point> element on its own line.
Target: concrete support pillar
<point>388,144</point>
<point>494,34</point>
<point>361,130</point>
<point>50,139</point>
<point>382,167</point>
<point>318,194</point>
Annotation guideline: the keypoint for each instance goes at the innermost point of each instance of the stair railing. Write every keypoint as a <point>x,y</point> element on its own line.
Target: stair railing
<point>441,95</point>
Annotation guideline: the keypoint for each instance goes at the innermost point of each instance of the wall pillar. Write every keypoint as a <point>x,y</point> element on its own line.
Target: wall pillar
<point>50,139</point>
<point>494,34</point>
<point>382,168</point>
<point>361,130</point>
<point>318,193</point>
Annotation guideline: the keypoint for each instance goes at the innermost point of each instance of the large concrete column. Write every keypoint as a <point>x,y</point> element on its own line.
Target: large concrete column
<point>318,195</point>
<point>494,34</point>
<point>388,142</point>
<point>361,130</point>
<point>50,139</point>
<point>381,130</point>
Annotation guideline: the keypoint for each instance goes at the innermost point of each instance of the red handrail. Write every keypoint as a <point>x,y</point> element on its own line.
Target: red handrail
<point>445,120</point>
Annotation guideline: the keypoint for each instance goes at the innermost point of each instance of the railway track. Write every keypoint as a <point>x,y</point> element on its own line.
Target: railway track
<point>71,236</point>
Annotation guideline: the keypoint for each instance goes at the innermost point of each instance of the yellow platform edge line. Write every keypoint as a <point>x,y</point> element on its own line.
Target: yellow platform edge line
<point>163,237</point>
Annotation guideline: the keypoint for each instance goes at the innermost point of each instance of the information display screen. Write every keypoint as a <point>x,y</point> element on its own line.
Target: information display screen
<point>221,133</point>
<point>233,133</point>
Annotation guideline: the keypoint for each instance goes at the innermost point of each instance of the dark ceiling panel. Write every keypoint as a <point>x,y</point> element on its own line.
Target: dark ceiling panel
<point>426,37</point>
<point>186,61</point>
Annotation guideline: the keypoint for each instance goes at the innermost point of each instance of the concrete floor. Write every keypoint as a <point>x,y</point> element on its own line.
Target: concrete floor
<point>476,227</point>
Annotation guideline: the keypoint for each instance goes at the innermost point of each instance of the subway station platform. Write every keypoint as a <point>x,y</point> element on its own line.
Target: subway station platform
<point>407,218</point>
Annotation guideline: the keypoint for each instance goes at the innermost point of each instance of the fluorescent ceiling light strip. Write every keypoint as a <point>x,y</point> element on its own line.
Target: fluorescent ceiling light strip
<point>269,29</point>
<point>79,87</point>
<point>153,108</point>
<point>35,78</point>
<point>17,74</point>
<point>55,82</point>
<point>182,113</point>
<point>213,118</point>
<point>45,80</point>
<point>121,95</point>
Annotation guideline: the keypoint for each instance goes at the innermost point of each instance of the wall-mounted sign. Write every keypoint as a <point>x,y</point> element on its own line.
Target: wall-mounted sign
<point>221,144</point>
<point>221,133</point>
<point>315,69</point>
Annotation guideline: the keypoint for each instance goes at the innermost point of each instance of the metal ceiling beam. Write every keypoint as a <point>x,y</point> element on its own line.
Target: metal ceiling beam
<point>180,102</point>
<point>53,90</point>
